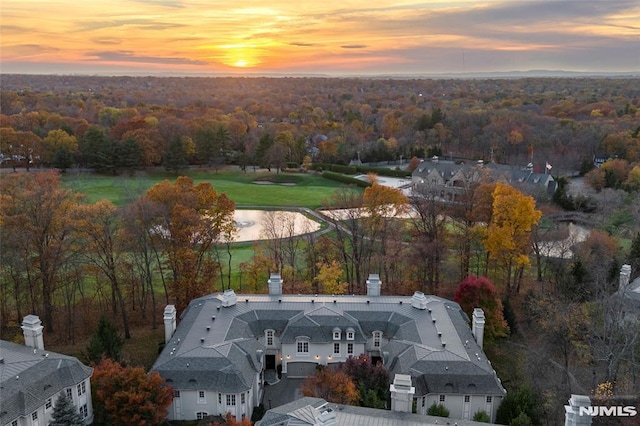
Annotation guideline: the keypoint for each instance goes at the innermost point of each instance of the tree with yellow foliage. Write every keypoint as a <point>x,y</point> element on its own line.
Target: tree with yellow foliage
<point>508,233</point>
<point>329,278</point>
<point>382,206</point>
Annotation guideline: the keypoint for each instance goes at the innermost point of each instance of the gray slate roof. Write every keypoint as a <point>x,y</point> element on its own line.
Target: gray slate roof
<point>293,414</point>
<point>513,175</point>
<point>226,357</point>
<point>29,377</point>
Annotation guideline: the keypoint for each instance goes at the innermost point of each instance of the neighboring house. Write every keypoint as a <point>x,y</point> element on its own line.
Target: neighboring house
<point>216,358</point>
<point>31,378</point>
<point>448,180</point>
<point>318,412</point>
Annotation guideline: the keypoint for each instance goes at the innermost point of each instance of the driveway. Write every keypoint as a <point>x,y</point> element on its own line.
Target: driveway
<point>283,392</point>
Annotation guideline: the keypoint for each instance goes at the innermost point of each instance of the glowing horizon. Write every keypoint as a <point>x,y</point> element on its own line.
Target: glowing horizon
<point>349,36</point>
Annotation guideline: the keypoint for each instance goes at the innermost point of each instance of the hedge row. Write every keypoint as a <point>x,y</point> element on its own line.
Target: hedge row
<point>345,170</point>
<point>339,177</point>
<point>353,170</point>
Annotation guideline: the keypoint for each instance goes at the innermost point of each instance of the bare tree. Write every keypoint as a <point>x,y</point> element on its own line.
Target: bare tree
<point>344,211</point>
<point>429,234</point>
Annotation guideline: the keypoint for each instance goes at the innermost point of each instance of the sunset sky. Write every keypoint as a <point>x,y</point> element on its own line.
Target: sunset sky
<point>334,37</point>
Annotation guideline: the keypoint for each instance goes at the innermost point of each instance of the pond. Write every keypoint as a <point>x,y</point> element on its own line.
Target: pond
<point>266,224</point>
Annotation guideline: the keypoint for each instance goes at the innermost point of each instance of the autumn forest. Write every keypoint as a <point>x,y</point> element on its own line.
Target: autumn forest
<point>69,259</point>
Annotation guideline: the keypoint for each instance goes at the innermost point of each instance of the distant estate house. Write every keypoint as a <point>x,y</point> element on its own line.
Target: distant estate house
<point>216,358</point>
<point>448,179</point>
<point>31,378</point>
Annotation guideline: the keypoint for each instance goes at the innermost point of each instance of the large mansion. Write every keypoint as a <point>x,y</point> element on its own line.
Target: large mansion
<point>217,356</point>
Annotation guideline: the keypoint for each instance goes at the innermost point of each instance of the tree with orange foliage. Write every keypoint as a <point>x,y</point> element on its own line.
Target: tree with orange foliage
<point>333,386</point>
<point>413,163</point>
<point>189,220</point>
<point>36,234</point>
<point>128,395</point>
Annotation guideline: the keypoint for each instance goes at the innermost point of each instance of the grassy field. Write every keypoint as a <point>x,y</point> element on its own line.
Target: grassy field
<point>297,190</point>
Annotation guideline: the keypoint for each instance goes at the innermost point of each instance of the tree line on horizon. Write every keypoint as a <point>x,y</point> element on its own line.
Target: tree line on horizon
<point>124,123</point>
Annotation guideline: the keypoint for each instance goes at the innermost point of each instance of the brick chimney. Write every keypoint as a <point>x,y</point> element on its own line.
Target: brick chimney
<point>170,315</point>
<point>32,330</point>
<point>477,325</point>
<point>373,285</point>
<point>275,284</point>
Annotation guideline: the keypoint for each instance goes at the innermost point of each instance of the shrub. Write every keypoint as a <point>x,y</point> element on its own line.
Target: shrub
<point>258,413</point>
<point>481,416</point>
<point>438,410</point>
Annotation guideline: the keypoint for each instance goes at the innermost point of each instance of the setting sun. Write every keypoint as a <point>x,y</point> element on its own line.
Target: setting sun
<point>334,37</point>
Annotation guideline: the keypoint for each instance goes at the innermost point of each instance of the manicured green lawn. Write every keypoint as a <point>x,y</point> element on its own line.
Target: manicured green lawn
<point>297,190</point>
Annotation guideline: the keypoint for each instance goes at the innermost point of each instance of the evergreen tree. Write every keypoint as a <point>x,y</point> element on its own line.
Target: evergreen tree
<point>63,159</point>
<point>106,156</point>
<point>129,154</point>
<point>176,157</point>
<point>90,145</point>
<point>518,402</point>
<point>65,413</point>
<point>105,342</point>
<point>265,142</point>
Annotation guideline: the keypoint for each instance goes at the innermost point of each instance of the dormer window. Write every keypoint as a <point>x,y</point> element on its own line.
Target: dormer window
<point>351,334</point>
<point>337,334</point>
